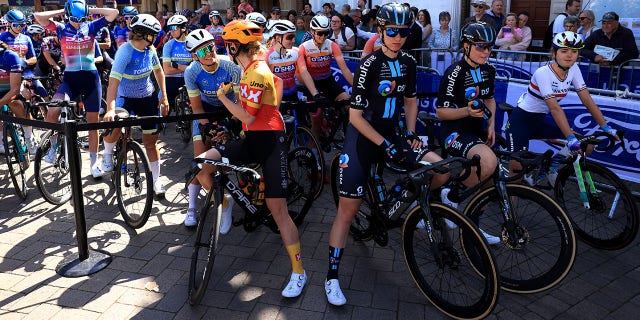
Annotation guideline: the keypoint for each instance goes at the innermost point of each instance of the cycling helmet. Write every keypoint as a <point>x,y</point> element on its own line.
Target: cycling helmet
<point>15,16</point>
<point>196,38</point>
<point>177,20</point>
<point>319,22</point>
<point>568,39</point>
<point>76,8</point>
<point>394,14</point>
<point>478,32</point>
<point>256,18</point>
<point>280,27</point>
<point>215,13</point>
<point>35,29</point>
<point>242,31</point>
<point>130,10</point>
<point>145,24</point>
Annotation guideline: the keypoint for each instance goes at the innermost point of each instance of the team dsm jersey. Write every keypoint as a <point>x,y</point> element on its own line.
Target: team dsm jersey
<point>78,44</point>
<point>284,66</point>
<point>460,84</point>
<point>546,84</point>
<point>258,97</point>
<point>10,63</point>
<point>205,84</point>
<point>133,67</point>
<point>380,85</point>
<point>175,50</point>
<point>318,60</point>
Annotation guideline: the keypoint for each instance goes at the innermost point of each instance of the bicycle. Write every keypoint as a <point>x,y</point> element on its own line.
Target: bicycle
<point>438,242</point>
<point>182,107</point>
<point>245,186</point>
<point>52,157</point>
<point>15,153</point>
<point>335,118</point>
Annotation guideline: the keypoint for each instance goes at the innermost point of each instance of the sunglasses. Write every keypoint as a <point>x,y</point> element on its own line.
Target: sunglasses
<point>322,33</point>
<point>77,20</point>
<point>477,6</point>
<point>482,46</point>
<point>128,17</point>
<point>18,25</point>
<point>174,28</point>
<point>289,37</point>
<point>392,32</point>
<point>202,52</point>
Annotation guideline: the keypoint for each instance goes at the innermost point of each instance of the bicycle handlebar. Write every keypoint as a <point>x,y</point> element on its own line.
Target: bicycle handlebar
<point>196,166</point>
<point>529,161</point>
<point>118,117</point>
<point>593,140</point>
<point>418,177</point>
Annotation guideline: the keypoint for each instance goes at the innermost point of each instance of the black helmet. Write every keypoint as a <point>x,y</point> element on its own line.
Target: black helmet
<point>478,32</point>
<point>394,13</point>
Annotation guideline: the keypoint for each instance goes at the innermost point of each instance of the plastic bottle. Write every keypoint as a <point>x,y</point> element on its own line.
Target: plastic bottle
<point>477,104</point>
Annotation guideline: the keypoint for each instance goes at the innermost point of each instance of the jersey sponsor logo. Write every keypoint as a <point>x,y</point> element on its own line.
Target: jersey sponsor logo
<point>320,58</point>
<point>386,87</point>
<point>471,93</point>
<point>364,69</point>
<point>452,80</point>
<point>279,69</point>
<point>450,141</point>
<point>253,95</point>
<point>343,161</point>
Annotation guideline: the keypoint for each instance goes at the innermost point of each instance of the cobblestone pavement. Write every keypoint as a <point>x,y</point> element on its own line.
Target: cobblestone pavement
<point>35,236</point>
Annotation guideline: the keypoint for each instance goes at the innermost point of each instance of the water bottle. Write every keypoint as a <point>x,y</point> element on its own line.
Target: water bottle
<point>479,105</point>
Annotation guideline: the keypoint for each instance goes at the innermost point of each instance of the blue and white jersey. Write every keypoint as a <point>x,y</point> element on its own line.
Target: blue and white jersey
<point>205,84</point>
<point>133,67</point>
<point>175,50</point>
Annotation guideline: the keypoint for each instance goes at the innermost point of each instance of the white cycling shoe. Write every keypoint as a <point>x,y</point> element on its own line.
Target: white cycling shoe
<point>334,293</point>
<point>295,285</point>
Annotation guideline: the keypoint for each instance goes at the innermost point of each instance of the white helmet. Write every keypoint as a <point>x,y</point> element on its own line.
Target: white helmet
<point>35,29</point>
<point>280,27</point>
<point>256,18</point>
<point>145,24</point>
<point>319,22</point>
<point>196,38</point>
<point>214,13</point>
<point>177,20</point>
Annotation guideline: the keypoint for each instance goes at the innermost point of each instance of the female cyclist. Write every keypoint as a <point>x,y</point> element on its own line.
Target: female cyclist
<point>175,56</point>
<point>265,142</point>
<point>130,79</point>
<point>215,29</point>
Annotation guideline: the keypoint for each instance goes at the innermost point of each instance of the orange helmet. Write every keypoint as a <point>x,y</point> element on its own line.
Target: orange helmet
<point>242,31</point>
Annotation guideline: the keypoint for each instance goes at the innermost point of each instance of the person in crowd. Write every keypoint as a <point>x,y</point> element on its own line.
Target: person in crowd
<point>424,20</point>
<point>245,6</point>
<point>369,22</point>
<point>122,32</point>
<point>571,8</point>
<point>264,142</point>
<point>346,18</point>
<point>204,19</point>
<point>160,17</point>
<point>301,28</point>
<point>522,45</point>
<point>587,23</point>
<point>307,11</point>
<point>445,37</point>
<point>215,29</point>
<point>611,35</point>
<point>361,35</point>
<point>292,15</point>
<point>340,34</point>
<point>496,12</point>
<point>230,14</point>
<point>371,135</point>
<point>571,23</point>
<point>508,35</point>
<point>11,68</point>
<point>362,5</point>
<point>327,10</point>
<point>479,14</point>
<point>275,13</point>
<point>242,15</point>
<point>414,40</point>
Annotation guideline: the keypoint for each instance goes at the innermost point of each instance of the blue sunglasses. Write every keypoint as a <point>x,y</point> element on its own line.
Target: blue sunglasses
<point>392,32</point>
<point>77,20</point>
<point>483,46</point>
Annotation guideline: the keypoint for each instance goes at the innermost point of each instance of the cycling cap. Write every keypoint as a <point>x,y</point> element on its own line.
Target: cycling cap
<point>196,38</point>
<point>478,32</point>
<point>280,27</point>
<point>129,10</point>
<point>35,29</point>
<point>256,18</point>
<point>394,14</point>
<point>177,20</point>
<point>319,22</point>
<point>15,16</point>
<point>568,39</point>
<point>242,31</point>
<point>145,24</point>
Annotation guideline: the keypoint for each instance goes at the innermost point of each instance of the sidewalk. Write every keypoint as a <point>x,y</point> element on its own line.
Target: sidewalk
<point>35,236</point>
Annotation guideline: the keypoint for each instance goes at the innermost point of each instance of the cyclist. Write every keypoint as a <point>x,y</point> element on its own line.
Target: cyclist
<point>122,30</point>
<point>259,20</point>
<point>265,142</point>
<point>10,77</point>
<point>175,56</point>
<point>215,29</point>
<point>80,79</point>
<point>202,79</point>
<point>376,104</point>
<point>130,80</point>
<point>548,86</point>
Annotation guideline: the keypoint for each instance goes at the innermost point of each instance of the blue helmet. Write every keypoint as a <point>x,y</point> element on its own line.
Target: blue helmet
<point>15,16</point>
<point>76,8</point>
<point>130,10</point>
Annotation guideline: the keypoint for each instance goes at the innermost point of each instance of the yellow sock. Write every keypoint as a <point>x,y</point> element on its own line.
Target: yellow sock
<point>225,201</point>
<point>296,259</point>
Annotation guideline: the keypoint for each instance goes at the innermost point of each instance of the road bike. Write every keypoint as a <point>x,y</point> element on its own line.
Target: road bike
<point>15,153</point>
<point>182,107</point>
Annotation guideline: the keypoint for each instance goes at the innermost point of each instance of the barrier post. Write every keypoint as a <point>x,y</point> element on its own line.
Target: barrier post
<point>88,261</point>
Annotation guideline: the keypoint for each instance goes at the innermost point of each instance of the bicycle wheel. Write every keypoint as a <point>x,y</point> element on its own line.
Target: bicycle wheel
<point>304,138</point>
<point>134,185</point>
<point>17,157</point>
<point>538,245</point>
<point>183,108</point>
<point>442,269</point>
<point>205,248</point>
<point>53,179</point>
<point>611,222</point>
<point>302,178</point>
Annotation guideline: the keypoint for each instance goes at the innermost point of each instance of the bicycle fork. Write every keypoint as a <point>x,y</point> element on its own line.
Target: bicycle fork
<point>516,236</point>
<point>591,197</point>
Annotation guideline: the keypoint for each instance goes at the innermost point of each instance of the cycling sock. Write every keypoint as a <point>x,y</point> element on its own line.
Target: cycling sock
<point>28,131</point>
<point>295,257</point>
<point>108,147</point>
<point>335,254</point>
<point>155,170</point>
<point>194,190</point>
<point>94,158</point>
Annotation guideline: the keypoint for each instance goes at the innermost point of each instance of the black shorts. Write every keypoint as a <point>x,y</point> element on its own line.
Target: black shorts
<point>329,88</point>
<point>459,144</point>
<point>524,126</point>
<point>143,107</point>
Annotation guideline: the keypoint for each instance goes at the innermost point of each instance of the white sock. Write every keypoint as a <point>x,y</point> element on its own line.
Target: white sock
<point>155,170</point>
<point>108,147</point>
<point>28,131</point>
<point>93,156</point>
<point>194,191</point>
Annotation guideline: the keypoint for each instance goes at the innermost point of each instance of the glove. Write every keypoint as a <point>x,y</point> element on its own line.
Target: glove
<point>392,151</point>
<point>411,136</point>
<point>224,89</point>
<point>318,98</point>
<point>208,131</point>
<point>607,128</point>
<point>573,144</point>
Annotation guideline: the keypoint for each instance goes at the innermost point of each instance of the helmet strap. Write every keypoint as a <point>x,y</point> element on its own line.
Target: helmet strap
<point>384,45</point>
<point>565,69</point>
<point>467,54</point>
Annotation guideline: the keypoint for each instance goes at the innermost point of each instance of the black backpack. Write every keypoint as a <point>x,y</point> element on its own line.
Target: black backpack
<point>548,34</point>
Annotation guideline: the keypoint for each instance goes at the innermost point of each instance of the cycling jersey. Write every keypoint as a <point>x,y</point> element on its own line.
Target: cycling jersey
<point>37,47</point>
<point>380,86</point>
<point>461,83</point>
<point>175,50</point>
<point>133,67</point>
<point>121,34</point>
<point>205,84</point>
<point>50,45</point>
<point>20,44</point>
<point>546,84</point>
<point>318,60</point>
<point>216,32</point>
<point>258,97</point>
<point>10,63</point>
<point>284,66</point>
<point>78,44</point>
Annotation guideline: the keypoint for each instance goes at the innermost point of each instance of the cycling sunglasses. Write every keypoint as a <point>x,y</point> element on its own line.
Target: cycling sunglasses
<point>77,20</point>
<point>202,52</point>
<point>18,25</point>
<point>128,17</point>
<point>392,32</point>
<point>174,28</point>
<point>289,37</point>
<point>322,33</point>
<point>483,46</point>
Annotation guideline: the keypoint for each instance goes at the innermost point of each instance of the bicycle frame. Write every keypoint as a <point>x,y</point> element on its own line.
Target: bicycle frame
<point>23,154</point>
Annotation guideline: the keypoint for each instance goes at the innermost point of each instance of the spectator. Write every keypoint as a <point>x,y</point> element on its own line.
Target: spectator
<point>587,23</point>
<point>346,19</point>
<point>369,21</point>
<point>341,35</point>
<point>302,27</point>
<point>445,37</point>
<point>242,15</point>
<point>523,19</point>
<point>508,35</point>
<point>424,19</point>
<point>571,23</point>
<point>612,35</point>
<point>231,14</point>
<point>362,5</point>
<point>479,14</point>
<point>326,10</point>
<point>496,12</point>
<point>361,35</point>
<point>291,16</point>
<point>244,6</point>
<point>306,10</point>
<point>204,18</point>
<point>414,40</point>
<point>275,13</point>
<point>572,8</point>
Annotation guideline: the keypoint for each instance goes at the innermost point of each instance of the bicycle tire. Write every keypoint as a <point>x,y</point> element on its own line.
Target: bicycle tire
<point>302,176</point>
<point>205,247</point>
<point>593,226</point>
<point>134,199</point>
<point>53,179</point>
<point>17,157</point>
<point>306,138</point>
<point>546,247</point>
<point>452,284</point>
